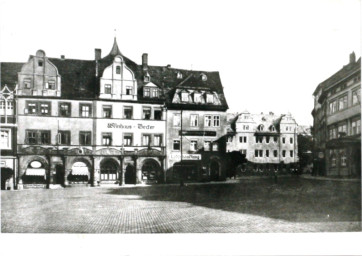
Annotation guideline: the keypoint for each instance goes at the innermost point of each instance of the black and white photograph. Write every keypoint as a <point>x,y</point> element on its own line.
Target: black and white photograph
<point>181,120</point>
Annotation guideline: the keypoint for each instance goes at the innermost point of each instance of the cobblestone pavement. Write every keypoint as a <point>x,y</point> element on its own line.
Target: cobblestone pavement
<point>248,206</point>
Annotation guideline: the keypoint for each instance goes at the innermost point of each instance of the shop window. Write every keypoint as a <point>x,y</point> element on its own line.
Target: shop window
<point>146,140</point>
<point>107,111</point>
<point>64,138</point>
<point>85,110</point>
<point>85,138</point>
<point>146,92</point>
<point>157,113</point>
<point>128,139</point>
<point>176,145</point>
<point>216,121</point>
<point>146,113</point>
<point>275,153</point>
<point>177,120</point>
<point>127,112</point>
<point>194,120</point>
<point>193,145</point>
<point>64,109</point>
<point>208,121</point>
<point>5,139</point>
<point>107,89</point>
<point>157,140</point>
<point>207,145</point>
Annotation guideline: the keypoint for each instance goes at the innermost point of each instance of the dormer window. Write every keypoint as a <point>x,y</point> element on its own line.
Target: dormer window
<point>179,75</point>
<point>51,85</point>
<point>203,77</point>
<point>107,89</point>
<point>184,97</point>
<point>146,79</point>
<point>40,63</point>
<point>146,92</point>
<point>261,127</point>
<point>209,98</point>
<point>118,70</point>
<point>155,93</point>
<point>197,97</point>
<point>272,128</point>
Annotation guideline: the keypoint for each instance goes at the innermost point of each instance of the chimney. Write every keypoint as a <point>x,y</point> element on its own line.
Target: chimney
<point>168,66</point>
<point>62,57</point>
<point>145,62</point>
<point>97,54</point>
<point>352,58</point>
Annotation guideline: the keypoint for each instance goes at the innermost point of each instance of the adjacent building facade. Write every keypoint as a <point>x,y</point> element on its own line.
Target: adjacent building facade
<point>337,122</point>
<point>268,142</point>
<point>110,120</point>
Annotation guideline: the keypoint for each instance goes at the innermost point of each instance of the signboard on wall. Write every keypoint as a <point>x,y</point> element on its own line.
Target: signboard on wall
<point>130,126</point>
<point>175,156</point>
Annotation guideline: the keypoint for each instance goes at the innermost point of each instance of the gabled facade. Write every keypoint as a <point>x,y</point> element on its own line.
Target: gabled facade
<point>337,122</point>
<point>268,142</point>
<point>104,120</point>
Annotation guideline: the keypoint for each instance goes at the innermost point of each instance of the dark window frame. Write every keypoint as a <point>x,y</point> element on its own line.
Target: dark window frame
<point>85,133</point>
<point>69,104</point>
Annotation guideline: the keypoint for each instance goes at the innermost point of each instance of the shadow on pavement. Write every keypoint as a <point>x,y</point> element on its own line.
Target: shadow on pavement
<point>291,198</point>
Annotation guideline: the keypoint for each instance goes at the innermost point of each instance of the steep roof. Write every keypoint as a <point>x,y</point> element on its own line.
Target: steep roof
<point>79,80</point>
<point>9,74</point>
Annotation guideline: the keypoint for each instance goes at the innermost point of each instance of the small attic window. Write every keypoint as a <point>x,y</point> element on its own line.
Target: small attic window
<point>272,128</point>
<point>203,77</point>
<point>261,127</point>
<point>40,63</point>
<point>184,97</point>
<point>146,79</point>
<point>179,75</point>
<point>209,98</point>
<point>118,70</point>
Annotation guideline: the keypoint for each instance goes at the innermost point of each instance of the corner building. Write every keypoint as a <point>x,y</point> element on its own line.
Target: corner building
<point>107,120</point>
<point>337,122</point>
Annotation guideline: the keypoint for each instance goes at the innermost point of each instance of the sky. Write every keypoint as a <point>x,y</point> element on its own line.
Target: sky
<point>271,55</point>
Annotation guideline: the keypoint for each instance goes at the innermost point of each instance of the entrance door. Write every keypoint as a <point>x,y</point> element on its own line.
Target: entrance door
<point>151,170</point>
<point>6,174</point>
<point>59,174</point>
<point>130,176</point>
<point>214,170</point>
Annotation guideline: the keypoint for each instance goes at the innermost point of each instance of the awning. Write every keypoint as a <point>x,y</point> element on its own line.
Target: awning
<point>35,172</point>
<point>80,170</point>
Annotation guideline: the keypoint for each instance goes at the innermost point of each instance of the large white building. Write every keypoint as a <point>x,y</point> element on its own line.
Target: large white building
<point>268,141</point>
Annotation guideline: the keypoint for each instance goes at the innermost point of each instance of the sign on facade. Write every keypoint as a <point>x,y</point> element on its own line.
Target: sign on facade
<point>185,156</point>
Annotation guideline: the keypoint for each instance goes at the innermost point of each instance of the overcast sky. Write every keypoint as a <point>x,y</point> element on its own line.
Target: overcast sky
<point>271,55</point>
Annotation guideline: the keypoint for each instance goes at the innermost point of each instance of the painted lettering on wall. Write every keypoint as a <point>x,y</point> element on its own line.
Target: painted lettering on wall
<point>138,126</point>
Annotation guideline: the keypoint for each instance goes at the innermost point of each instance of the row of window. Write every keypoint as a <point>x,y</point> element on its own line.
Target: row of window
<point>85,110</point>
<point>85,138</point>
<point>342,159</point>
<point>50,84</point>
<point>209,120</point>
<point>342,102</point>
<point>341,130</point>
<point>197,97</point>
<point>108,89</point>
<point>259,153</point>
<point>208,145</point>
<point>259,139</point>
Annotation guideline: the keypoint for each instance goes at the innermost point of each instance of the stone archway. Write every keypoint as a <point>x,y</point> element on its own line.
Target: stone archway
<point>36,172</point>
<point>151,171</point>
<point>109,170</point>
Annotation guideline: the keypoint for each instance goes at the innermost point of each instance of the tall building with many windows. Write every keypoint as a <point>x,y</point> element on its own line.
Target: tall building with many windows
<point>337,122</point>
<point>109,120</point>
<point>268,141</point>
